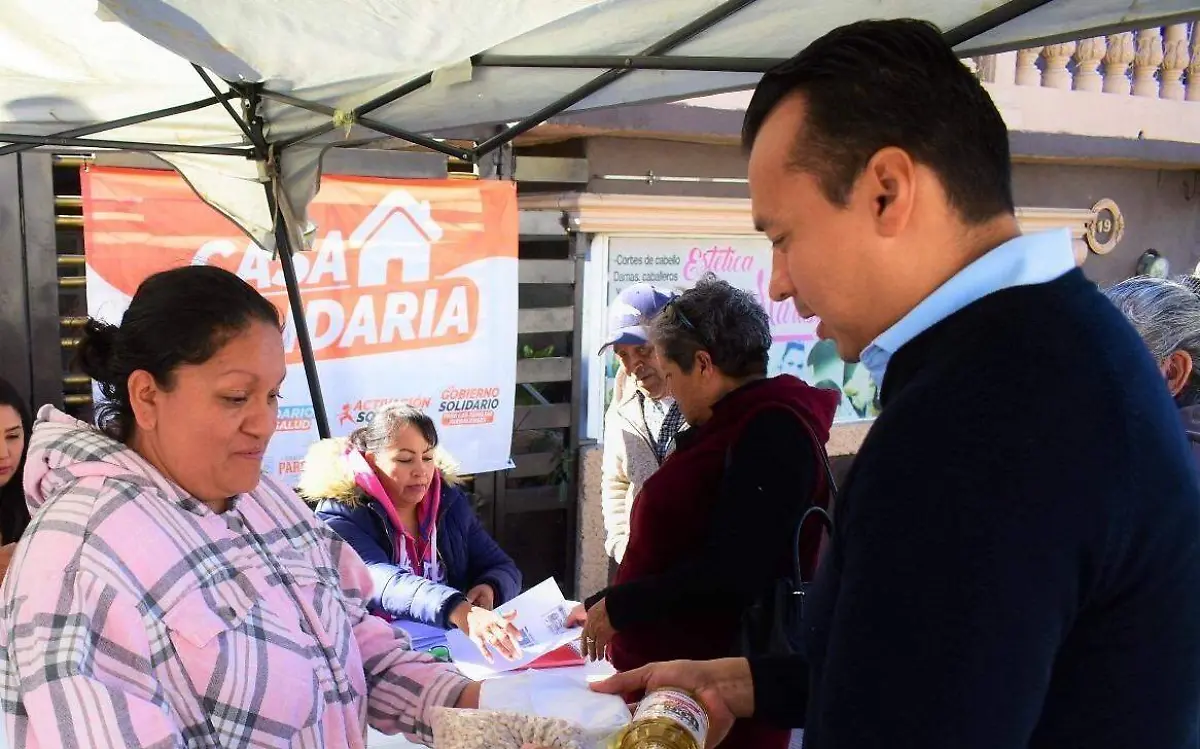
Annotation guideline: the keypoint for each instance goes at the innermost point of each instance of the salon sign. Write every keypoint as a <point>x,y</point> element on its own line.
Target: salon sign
<point>410,294</point>
<point>679,262</point>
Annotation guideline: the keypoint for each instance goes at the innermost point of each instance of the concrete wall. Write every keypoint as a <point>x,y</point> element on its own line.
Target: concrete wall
<point>637,156</point>
<point>1161,208</point>
<point>592,562</point>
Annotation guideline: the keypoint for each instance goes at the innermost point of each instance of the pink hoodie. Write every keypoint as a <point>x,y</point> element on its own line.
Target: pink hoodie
<point>135,616</point>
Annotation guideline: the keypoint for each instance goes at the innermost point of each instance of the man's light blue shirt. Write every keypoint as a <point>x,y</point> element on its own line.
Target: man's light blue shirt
<point>1027,260</point>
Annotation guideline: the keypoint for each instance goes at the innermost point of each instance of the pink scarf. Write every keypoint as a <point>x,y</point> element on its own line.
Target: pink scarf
<point>417,554</point>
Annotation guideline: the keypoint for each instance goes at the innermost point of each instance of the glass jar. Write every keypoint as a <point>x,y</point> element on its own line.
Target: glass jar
<point>668,718</point>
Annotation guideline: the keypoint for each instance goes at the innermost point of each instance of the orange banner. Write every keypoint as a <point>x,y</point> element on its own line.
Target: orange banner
<point>385,273</point>
<point>409,292</point>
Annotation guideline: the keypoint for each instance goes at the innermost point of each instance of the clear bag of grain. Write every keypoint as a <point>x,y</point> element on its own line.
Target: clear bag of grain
<point>536,707</point>
<point>455,728</point>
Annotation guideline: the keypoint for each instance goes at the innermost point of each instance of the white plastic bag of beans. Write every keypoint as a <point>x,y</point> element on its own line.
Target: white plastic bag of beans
<point>536,707</point>
<point>454,728</point>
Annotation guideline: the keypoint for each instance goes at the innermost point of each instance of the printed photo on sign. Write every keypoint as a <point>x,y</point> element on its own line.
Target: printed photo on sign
<point>409,291</point>
<point>745,262</point>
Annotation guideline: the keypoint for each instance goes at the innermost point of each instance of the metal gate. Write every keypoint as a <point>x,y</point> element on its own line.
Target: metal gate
<point>533,509</point>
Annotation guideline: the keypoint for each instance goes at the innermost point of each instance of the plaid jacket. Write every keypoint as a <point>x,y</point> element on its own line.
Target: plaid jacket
<point>133,616</point>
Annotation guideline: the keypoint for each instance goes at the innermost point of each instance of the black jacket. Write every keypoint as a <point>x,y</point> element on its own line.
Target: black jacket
<point>1017,554</point>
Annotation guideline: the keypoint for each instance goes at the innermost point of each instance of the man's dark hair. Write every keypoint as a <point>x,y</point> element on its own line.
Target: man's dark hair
<point>875,84</point>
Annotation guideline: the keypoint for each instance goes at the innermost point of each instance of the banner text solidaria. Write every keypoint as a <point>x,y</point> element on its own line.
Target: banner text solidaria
<point>374,313</point>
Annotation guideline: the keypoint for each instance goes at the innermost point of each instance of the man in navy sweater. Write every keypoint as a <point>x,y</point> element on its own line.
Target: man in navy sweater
<point>1017,555</point>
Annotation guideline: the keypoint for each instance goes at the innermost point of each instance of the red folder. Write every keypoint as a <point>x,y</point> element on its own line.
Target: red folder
<point>565,656</point>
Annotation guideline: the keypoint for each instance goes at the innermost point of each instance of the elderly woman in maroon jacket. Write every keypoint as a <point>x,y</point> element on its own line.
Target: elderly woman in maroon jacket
<point>712,528</point>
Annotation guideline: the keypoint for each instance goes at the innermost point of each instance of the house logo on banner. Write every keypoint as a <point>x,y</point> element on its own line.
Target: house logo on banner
<point>399,231</point>
<point>409,285</point>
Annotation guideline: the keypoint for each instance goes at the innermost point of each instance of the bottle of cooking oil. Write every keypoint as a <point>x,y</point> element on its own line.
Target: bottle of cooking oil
<point>667,718</point>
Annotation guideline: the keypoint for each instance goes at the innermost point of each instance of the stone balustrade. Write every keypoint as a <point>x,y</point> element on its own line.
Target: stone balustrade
<point>1160,63</point>
<point>1137,85</point>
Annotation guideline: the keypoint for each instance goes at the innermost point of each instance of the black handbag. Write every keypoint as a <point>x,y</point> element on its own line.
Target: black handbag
<point>774,624</point>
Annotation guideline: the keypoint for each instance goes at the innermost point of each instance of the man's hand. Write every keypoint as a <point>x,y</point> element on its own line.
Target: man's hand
<point>488,631</point>
<point>483,596</point>
<point>598,632</point>
<point>724,687</point>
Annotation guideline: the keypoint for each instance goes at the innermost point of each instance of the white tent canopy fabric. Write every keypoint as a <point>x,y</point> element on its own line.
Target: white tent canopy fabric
<point>244,97</point>
<point>70,64</point>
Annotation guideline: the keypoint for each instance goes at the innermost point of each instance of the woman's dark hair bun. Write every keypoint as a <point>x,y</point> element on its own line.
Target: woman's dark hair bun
<point>96,350</point>
<point>176,317</point>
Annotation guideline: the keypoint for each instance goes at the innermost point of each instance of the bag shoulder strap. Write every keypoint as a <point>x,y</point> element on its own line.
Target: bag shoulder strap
<point>825,515</point>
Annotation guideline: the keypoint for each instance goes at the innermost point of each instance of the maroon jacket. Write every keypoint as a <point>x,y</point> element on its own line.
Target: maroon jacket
<point>712,527</point>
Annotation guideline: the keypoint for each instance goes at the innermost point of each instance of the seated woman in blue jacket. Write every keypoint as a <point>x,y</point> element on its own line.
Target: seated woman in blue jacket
<point>390,493</point>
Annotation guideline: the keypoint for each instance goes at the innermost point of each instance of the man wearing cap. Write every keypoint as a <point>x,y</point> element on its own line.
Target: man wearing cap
<point>643,420</point>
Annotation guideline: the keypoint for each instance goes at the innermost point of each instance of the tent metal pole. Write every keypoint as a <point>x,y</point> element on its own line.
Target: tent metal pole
<point>123,145</point>
<point>631,62</point>
<point>283,248</point>
<point>662,46</point>
<point>366,108</point>
<point>373,124</point>
<point>136,119</point>
<point>416,139</point>
<point>297,102</point>
<point>208,81</point>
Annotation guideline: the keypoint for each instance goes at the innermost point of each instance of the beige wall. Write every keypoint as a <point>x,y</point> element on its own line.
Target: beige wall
<point>636,156</point>
<point>592,562</point>
<point>1161,208</point>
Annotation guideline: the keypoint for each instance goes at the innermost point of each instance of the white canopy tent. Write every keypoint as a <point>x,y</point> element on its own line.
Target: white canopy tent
<point>244,97</point>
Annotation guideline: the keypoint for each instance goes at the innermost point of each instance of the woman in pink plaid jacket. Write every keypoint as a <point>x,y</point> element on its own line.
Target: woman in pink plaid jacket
<point>167,594</point>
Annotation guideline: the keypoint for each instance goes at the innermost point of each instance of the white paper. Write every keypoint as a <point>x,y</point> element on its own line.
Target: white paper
<point>541,617</point>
